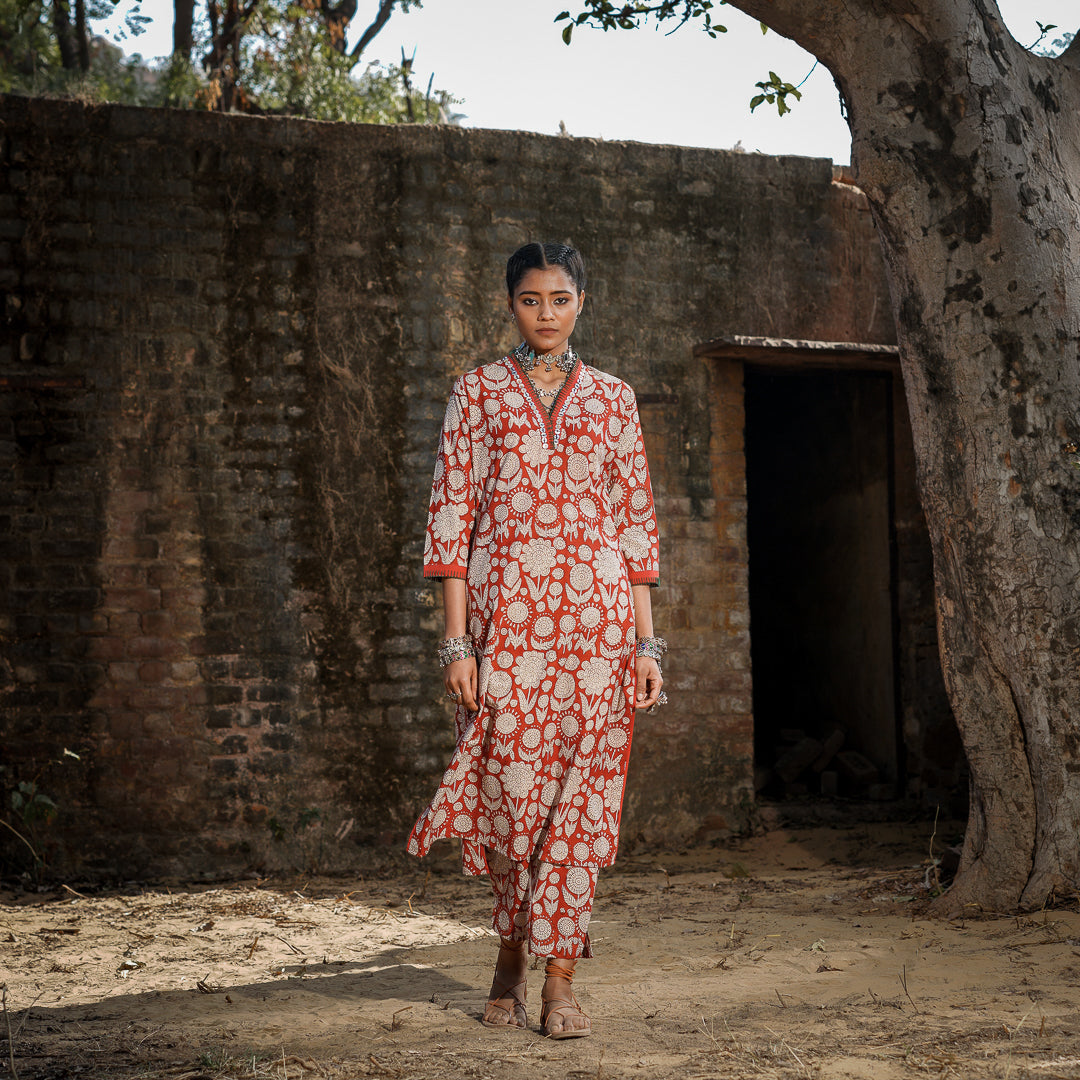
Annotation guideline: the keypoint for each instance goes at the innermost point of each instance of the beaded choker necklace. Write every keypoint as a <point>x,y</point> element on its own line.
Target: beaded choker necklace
<point>528,359</point>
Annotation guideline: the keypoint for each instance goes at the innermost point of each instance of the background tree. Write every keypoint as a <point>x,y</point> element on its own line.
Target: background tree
<point>967,146</point>
<point>295,63</point>
<point>47,47</point>
<point>288,57</point>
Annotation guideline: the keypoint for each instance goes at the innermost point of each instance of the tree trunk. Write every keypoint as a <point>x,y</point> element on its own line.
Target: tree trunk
<point>82,38</point>
<point>183,28</point>
<point>223,62</point>
<point>968,149</point>
<point>65,38</point>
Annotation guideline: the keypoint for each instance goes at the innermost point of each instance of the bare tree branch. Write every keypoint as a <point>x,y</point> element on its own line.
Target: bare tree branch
<point>386,8</point>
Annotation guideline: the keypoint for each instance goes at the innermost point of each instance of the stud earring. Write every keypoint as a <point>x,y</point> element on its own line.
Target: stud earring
<point>511,317</point>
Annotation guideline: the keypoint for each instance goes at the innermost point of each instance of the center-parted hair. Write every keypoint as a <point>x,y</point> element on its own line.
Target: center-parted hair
<point>538,256</point>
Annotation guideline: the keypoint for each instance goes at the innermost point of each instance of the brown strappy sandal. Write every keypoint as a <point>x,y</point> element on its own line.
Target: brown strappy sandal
<point>561,1007</point>
<point>500,991</point>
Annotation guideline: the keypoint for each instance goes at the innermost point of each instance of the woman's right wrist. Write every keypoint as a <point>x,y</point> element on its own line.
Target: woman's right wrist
<point>455,648</point>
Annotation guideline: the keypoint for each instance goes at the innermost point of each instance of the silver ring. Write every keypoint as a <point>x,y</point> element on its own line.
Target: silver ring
<point>452,696</point>
<point>661,700</point>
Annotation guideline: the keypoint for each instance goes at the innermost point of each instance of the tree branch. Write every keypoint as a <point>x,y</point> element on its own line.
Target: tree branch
<point>386,8</point>
<point>816,27</point>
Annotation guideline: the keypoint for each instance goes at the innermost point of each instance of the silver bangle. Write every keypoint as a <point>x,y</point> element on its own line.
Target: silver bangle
<point>455,648</point>
<point>652,647</point>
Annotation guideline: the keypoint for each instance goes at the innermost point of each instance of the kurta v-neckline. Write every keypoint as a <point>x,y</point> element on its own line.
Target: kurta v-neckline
<point>548,418</point>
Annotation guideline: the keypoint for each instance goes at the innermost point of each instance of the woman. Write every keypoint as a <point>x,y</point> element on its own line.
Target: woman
<point>543,531</point>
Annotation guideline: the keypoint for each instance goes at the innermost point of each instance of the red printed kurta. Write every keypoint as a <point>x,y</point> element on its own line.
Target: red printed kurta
<point>550,519</point>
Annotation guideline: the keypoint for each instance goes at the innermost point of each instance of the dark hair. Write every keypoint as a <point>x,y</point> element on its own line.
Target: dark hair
<point>537,256</point>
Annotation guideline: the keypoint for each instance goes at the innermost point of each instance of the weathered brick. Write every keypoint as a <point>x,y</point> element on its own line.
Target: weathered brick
<point>106,648</point>
<point>152,646</point>
<point>153,671</point>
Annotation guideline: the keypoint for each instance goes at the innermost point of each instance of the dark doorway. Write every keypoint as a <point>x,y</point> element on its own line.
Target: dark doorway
<point>822,599</point>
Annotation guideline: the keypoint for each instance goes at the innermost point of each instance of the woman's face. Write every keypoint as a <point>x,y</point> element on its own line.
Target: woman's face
<point>545,306</point>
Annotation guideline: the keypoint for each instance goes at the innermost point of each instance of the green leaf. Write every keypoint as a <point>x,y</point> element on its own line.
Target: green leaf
<point>568,29</point>
<point>562,15</point>
<point>764,28</point>
<point>756,100</point>
<point>774,78</point>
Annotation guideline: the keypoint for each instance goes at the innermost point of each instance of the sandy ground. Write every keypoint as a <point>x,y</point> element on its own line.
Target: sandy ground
<point>799,953</point>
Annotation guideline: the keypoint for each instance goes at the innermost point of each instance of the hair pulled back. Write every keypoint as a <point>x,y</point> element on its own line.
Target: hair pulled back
<point>538,256</point>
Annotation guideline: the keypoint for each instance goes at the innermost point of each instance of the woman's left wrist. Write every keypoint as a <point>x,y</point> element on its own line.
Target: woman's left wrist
<point>652,647</point>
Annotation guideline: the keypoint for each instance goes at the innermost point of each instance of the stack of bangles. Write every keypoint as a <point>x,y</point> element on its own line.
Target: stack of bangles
<point>461,648</point>
<point>654,648</point>
<point>455,648</point>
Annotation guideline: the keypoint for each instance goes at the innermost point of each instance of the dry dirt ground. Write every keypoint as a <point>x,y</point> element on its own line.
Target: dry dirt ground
<point>799,953</point>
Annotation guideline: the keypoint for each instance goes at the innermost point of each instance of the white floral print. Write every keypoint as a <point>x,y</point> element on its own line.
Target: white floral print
<point>538,557</point>
<point>550,520</point>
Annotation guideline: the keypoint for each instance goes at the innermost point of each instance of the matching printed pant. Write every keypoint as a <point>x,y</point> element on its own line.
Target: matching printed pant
<point>547,906</point>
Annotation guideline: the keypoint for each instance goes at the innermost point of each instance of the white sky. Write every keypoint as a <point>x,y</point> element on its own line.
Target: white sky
<point>507,62</point>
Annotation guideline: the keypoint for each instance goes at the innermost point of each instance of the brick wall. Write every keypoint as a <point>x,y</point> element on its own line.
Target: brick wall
<point>226,348</point>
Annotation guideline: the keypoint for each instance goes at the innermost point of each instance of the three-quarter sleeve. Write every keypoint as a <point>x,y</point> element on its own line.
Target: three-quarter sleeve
<point>630,492</point>
<point>453,494</point>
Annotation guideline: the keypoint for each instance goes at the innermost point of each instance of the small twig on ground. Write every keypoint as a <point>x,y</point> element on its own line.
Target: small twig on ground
<point>734,1041</point>
<point>873,997</point>
<point>395,1023</point>
<point>305,1063</point>
<point>251,951</point>
<point>784,1046</point>
<point>647,1015</point>
<point>779,998</point>
<point>10,1038</point>
<point>705,1028</point>
<point>293,947</point>
<point>903,982</point>
<point>37,858</point>
<point>1024,1017</point>
<point>74,892</point>
<point>791,1051</point>
<point>26,1013</point>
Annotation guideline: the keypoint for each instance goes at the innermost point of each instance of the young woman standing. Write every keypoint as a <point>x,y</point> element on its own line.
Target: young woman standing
<point>543,531</point>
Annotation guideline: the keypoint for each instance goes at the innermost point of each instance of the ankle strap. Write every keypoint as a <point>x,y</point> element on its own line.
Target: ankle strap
<point>555,969</point>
